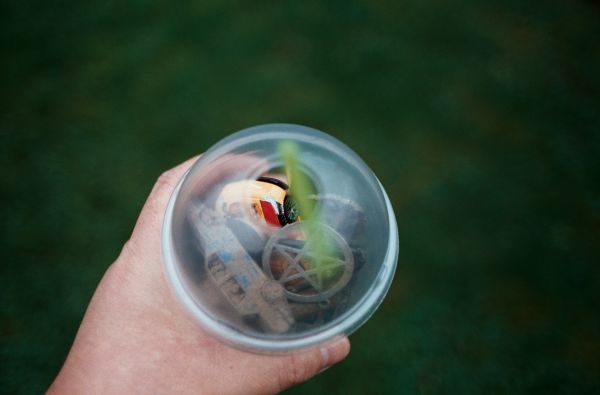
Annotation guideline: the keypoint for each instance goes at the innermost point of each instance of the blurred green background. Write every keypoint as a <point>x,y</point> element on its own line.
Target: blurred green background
<point>481,118</point>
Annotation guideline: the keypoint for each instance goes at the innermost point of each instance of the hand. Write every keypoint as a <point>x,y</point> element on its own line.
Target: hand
<point>136,338</point>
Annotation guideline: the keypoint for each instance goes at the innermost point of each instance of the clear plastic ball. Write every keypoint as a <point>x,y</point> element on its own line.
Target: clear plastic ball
<point>280,237</point>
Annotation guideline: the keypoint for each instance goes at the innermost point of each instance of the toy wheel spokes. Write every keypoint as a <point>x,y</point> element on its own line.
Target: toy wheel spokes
<point>289,258</point>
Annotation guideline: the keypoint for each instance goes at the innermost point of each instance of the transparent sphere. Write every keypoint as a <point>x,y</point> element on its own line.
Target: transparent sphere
<point>280,237</point>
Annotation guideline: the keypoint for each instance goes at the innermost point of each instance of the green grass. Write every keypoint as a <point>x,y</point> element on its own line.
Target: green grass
<point>481,118</point>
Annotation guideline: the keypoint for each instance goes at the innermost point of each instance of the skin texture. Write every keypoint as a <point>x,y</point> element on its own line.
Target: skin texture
<point>135,336</point>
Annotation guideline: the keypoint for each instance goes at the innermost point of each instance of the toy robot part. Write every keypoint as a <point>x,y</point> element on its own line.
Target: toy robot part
<point>237,275</point>
<point>293,256</point>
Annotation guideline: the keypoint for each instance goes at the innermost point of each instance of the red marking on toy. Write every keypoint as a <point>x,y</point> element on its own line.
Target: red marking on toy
<point>269,213</point>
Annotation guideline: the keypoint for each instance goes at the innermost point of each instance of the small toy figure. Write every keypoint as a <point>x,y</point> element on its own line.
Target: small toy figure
<point>267,196</point>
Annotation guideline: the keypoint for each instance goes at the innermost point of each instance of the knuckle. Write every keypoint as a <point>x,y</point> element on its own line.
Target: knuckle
<point>128,256</point>
<point>128,251</point>
<point>118,276</point>
<point>166,180</point>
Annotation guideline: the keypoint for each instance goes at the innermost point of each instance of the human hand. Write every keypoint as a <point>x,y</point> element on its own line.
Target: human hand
<point>136,338</point>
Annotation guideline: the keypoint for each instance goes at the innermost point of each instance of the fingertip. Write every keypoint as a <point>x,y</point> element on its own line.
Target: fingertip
<point>334,352</point>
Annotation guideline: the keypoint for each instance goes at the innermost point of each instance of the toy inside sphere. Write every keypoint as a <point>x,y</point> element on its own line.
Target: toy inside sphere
<point>280,237</point>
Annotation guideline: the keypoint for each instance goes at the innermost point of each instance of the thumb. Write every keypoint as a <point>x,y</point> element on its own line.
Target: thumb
<point>303,365</point>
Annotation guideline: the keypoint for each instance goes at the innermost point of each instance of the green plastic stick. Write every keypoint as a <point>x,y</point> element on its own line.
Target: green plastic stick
<point>301,189</point>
